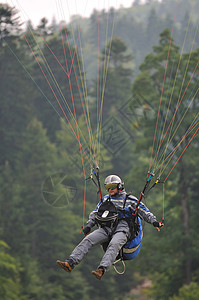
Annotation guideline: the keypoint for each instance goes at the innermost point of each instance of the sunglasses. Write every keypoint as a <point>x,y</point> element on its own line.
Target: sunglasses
<point>111,186</point>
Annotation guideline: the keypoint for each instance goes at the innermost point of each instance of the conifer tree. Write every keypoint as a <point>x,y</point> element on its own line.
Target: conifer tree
<point>148,84</point>
<point>15,86</point>
<point>9,274</point>
<point>9,22</point>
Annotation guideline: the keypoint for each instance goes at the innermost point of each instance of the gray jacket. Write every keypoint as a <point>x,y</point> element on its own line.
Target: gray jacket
<point>131,202</point>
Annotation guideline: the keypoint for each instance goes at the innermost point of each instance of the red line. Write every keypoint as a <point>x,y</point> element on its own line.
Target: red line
<point>80,147</point>
<point>72,98</point>
<point>84,206</point>
<point>72,65</point>
<point>177,108</point>
<point>162,92</point>
<point>78,138</point>
<point>68,74</point>
<point>53,54</point>
<point>83,106</point>
<point>76,124</point>
<point>185,135</point>
<point>55,96</point>
<point>163,204</point>
<point>72,56</point>
<point>49,84</point>
<point>98,89</point>
<point>64,52</point>
<point>181,155</point>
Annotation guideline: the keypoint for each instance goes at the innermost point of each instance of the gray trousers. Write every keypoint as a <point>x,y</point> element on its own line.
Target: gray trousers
<point>100,236</point>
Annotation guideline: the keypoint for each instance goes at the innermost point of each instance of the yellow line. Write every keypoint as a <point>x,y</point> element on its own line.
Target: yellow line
<point>84,87</point>
<point>172,92</point>
<point>170,131</point>
<point>162,171</point>
<point>104,80</point>
<point>45,61</point>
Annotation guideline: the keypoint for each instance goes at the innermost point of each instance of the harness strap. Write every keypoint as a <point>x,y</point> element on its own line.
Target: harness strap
<point>132,220</point>
<point>124,204</point>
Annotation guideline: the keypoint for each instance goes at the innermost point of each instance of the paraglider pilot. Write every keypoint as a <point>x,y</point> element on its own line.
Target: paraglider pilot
<point>116,227</point>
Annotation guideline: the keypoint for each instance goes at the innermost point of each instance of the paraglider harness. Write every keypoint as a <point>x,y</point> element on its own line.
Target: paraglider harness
<point>132,220</point>
<point>107,216</point>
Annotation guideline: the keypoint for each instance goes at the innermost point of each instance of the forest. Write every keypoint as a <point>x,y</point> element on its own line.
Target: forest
<point>118,91</point>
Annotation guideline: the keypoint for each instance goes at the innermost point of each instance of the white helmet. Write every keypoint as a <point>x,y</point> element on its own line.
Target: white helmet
<point>113,181</point>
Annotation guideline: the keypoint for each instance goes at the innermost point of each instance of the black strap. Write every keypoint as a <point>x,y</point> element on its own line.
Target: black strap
<point>133,221</point>
<point>124,204</point>
<point>128,195</point>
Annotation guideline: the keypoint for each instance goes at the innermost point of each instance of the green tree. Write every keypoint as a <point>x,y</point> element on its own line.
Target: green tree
<point>187,292</point>
<point>152,30</point>
<point>115,76</point>
<point>9,274</point>
<point>59,77</point>
<point>45,237</point>
<point>11,211</point>
<point>151,78</point>
<point>16,89</point>
<point>9,21</point>
<point>43,26</point>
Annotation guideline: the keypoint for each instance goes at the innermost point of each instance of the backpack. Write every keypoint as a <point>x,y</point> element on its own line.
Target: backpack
<point>131,249</point>
<point>107,214</point>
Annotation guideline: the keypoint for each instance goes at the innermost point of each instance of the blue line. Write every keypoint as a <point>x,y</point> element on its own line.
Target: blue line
<point>23,66</point>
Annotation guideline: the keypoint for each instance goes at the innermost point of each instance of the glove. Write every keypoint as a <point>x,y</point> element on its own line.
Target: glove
<point>86,230</point>
<point>158,225</point>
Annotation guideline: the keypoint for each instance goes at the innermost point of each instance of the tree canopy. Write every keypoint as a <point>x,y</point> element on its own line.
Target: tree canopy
<point>70,95</point>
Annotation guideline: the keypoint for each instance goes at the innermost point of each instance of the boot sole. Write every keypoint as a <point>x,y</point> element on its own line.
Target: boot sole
<point>65,266</point>
<point>96,275</point>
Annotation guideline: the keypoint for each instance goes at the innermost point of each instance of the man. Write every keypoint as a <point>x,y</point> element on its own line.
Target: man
<point>112,215</point>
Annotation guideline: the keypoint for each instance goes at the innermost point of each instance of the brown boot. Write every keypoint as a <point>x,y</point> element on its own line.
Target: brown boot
<point>64,265</point>
<point>98,273</point>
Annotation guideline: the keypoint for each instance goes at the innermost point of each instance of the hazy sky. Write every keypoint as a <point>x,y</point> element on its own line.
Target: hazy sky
<point>61,9</point>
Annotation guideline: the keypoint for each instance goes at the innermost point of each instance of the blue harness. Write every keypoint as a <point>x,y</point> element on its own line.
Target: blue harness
<point>132,247</point>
